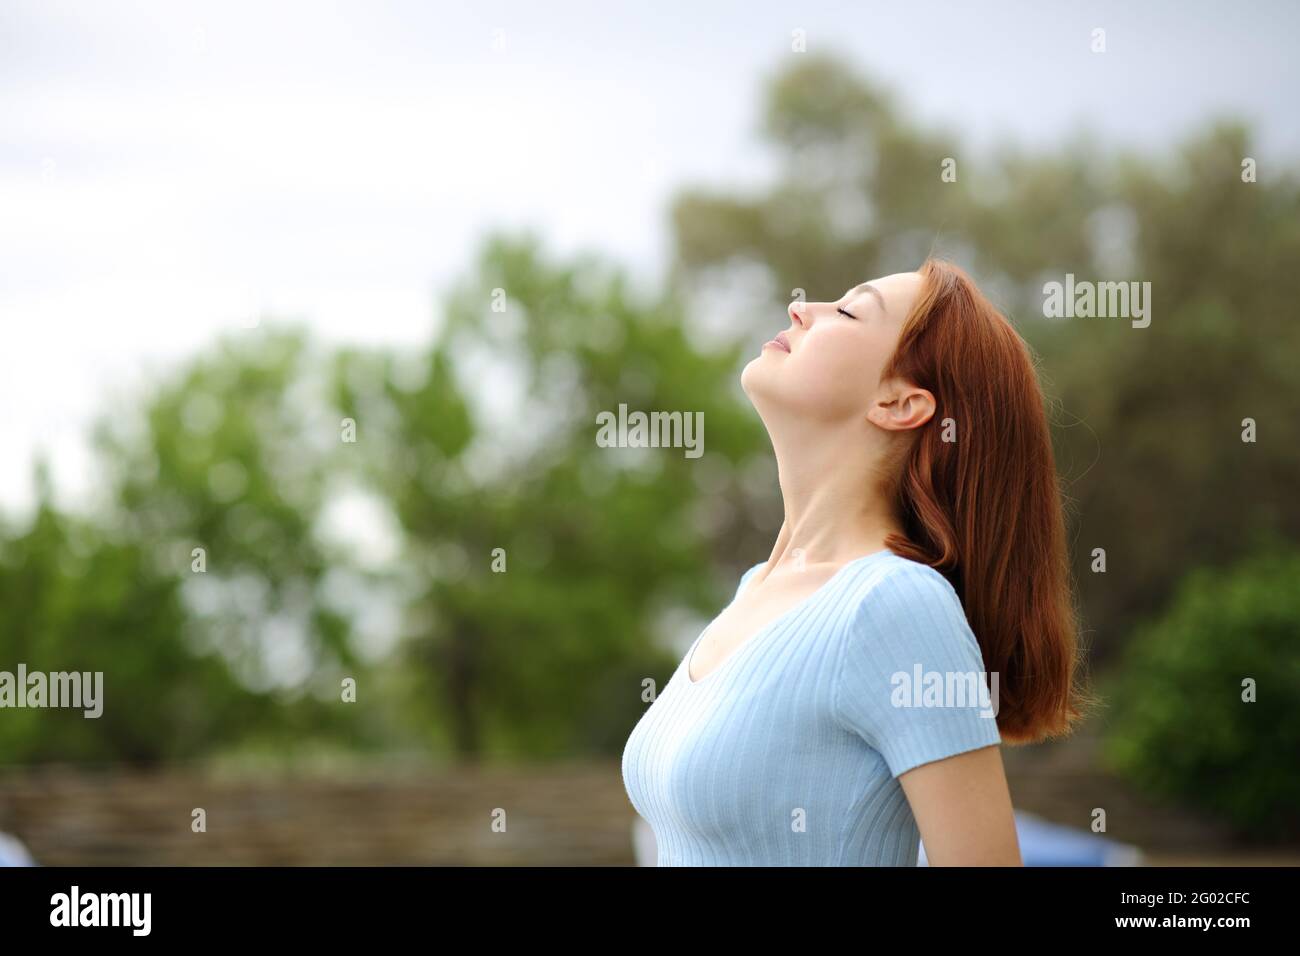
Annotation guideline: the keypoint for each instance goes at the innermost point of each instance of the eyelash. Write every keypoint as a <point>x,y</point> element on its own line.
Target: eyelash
<point>851,316</point>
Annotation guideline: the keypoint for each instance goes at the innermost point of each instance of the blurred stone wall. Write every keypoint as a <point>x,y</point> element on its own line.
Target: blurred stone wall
<point>556,816</point>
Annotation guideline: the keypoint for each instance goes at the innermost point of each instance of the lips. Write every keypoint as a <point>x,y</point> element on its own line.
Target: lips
<point>780,342</point>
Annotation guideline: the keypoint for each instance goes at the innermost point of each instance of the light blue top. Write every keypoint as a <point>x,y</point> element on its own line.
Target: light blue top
<point>788,752</point>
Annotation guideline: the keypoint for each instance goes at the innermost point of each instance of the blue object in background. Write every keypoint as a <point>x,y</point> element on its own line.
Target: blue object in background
<point>13,853</point>
<point>1050,844</point>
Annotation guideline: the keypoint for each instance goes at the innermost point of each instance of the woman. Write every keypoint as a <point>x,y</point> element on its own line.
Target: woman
<point>914,613</point>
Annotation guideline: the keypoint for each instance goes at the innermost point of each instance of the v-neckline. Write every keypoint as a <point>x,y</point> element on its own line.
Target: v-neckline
<point>779,619</point>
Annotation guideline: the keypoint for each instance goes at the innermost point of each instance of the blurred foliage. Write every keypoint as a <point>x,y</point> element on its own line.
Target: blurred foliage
<point>484,439</point>
<point>1180,725</point>
<point>199,585</point>
<point>232,454</point>
<point>75,600</point>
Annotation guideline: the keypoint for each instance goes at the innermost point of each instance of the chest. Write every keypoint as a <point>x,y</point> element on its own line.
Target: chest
<point>756,609</point>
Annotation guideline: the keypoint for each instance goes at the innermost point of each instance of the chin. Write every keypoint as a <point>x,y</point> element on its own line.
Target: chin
<point>751,376</point>
<point>757,382</point>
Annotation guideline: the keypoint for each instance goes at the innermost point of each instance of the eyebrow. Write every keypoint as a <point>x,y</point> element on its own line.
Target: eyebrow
<point>868,287</point>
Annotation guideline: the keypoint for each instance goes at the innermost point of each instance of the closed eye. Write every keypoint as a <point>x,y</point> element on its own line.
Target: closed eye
<point>849,314</point>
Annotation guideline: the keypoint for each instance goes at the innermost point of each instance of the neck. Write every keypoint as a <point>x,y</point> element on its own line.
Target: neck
<point>833,510</point>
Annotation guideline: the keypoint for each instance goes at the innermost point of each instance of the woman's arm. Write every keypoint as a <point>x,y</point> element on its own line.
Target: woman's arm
<point>963,809</point>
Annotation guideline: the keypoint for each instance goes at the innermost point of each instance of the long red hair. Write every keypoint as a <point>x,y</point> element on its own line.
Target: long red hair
<point>979,500</point>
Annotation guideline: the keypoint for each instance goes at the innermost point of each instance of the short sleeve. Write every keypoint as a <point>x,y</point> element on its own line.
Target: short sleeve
<point>911,679</point>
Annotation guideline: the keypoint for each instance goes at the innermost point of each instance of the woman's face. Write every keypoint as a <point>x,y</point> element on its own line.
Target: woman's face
<point>826,366</point>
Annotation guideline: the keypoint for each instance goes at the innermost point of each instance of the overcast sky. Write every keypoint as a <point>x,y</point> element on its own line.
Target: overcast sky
<point>168,170</point>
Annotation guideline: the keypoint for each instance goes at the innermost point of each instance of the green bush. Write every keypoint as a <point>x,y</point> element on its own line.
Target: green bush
<point>1182,726</point>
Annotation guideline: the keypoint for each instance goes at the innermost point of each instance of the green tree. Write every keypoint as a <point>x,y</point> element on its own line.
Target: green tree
<point>1205,703</point>
<point>75,599</point>
<point>218,474</point>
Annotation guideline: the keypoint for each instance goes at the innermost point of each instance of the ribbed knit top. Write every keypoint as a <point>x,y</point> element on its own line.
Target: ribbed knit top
<point>788,752</point>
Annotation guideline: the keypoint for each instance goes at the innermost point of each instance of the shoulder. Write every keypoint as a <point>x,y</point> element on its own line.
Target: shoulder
<point>898,608</point>
<point>897,584</point>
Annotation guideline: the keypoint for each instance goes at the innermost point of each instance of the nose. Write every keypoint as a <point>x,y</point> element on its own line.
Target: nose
<point>799,313</point>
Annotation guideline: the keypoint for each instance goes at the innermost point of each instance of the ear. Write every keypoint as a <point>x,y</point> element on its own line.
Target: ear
<point>900,406</point>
